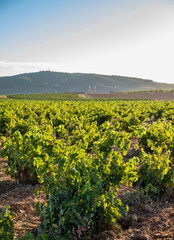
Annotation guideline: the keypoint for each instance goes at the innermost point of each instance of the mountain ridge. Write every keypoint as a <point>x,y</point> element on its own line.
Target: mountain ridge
<point>50,82</point>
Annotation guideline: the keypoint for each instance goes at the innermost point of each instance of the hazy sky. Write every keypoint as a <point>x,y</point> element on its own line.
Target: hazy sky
<point>114,37</point>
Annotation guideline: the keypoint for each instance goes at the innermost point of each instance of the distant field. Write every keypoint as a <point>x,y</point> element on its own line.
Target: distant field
<point>139,95</point>
<point>166,95</point>
<point>46,96</point>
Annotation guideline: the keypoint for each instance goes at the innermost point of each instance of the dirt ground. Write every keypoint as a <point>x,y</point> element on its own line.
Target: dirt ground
<point>3,96</point>
<point>135,95</point>
<point>21,199</point>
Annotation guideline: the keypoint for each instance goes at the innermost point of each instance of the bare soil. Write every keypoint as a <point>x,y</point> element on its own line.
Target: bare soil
<point>21,199</point>
<point>167,96</point>
<point>3,96</point>
<point>82,95</point>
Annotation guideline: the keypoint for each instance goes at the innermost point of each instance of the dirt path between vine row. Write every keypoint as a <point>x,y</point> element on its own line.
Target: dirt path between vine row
<point>21,199</point>
<point>146,220</point>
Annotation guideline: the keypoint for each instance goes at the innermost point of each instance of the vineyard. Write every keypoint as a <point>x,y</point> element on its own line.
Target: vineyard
<point>90,163</point>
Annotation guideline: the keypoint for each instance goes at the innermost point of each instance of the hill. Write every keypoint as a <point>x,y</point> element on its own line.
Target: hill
<point>50,82</point>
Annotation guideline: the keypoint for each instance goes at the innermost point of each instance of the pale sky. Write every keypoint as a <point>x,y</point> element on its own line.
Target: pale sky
<point>113,37</point>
